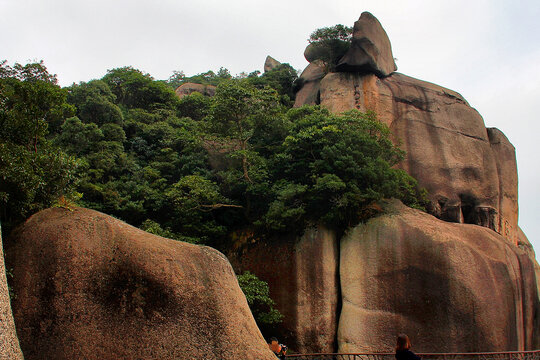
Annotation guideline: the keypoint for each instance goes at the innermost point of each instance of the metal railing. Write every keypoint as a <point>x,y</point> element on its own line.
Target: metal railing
<point>508,355</point>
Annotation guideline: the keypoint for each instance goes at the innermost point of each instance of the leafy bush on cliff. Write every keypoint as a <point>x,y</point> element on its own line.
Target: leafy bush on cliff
<point>330,168</point>
<point>257,295</point>
<point>329,44</point>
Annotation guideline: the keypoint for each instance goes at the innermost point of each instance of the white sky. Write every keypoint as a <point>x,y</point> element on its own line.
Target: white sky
<point>489,51</point>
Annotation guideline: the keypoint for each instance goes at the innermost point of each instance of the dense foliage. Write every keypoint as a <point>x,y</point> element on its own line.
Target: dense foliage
<point>196,168</point>
<point>33,172</point>
<point>259,301</point>
<point>329,44</point>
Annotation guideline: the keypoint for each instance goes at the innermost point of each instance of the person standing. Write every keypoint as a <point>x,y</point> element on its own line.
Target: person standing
<point>403,347</point>
<point>278,349</point>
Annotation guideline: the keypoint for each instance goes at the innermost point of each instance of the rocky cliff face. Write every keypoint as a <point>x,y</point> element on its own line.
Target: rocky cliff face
<point>469,171</point>
<point>92,287</point>
<point>451,285</point>
<point>454,288</point>
<point>303,278</point>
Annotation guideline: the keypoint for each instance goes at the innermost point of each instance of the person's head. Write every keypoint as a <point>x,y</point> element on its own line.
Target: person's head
<point>403,342</point>
<point>274,345</point>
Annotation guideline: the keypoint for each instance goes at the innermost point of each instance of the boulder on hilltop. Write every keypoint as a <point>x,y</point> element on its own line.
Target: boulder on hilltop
<point>89,286</point>
<point>270,63</point>
<point>370,49</point>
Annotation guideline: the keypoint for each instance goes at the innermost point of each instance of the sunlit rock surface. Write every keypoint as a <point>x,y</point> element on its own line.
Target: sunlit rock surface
<point>92,287</point>
<point>9,344</point>
<point>451,287</point>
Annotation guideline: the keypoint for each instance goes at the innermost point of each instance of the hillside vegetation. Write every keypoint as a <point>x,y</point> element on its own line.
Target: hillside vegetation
<point>196,168</point>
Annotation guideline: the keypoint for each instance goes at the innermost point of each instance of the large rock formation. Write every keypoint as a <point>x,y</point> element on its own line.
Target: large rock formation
<point>452,287</point>
<point>9,344</point>
<point>370,49</point>
<point>469,171</point>
<point>302,275</point>
<point>89,287</point>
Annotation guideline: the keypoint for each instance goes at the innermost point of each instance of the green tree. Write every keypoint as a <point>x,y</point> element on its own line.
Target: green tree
<point>195,106</point>
<point>95,103</point>
<point>329,44</point>
<point>282,79</point>
<point>135,89</point>
<point>237,111</point>
<point>332,168</point>
<point>258,297</point>
<point>195,200</point>
<point>33,172</point>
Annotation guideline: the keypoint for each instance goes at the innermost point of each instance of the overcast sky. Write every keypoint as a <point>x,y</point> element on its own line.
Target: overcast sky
<point>489,51</point>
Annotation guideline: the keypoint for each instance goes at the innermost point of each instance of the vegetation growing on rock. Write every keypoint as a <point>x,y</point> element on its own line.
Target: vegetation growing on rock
<point>328,45</point>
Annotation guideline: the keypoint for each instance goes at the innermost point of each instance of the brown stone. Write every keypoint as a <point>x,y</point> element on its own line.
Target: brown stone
<point>302,275</point>
<point>9,344</point>
<point>310,80</point>
<point>505,159</point>
<point>190,88</point>
<point>526,246</point>
<point>451,287</point>
<point>470,174</point>
<point>270,63</point>
<point>92,287</point>
<point>370,50</point>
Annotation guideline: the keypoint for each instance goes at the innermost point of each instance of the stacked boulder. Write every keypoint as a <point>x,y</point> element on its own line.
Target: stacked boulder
<point>469,171</point>
<point>467,286</point>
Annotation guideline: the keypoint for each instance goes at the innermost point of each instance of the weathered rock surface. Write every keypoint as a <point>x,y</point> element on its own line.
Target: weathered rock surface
<point>310,80</point>
<point>270,63</point>
<point>9,344</point>
<point>92,287</point>
<point>190,88</point>
<point>526,246</point>
<point>302,275</point>
<point>370,50</point>
<point>469,172</point>
<point>453,288</point>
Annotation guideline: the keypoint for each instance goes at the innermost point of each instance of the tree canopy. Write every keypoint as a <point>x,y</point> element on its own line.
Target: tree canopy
<point>329,44</point>
<point>33,172</point>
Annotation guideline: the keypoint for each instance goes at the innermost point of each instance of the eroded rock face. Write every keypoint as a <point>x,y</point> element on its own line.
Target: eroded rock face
<point>469,172</point>
<point>189,88</point>
<point>310,80</point>
<point>9,344</point>
<point>451,287</point>
<point>302,275</point>
<point>92,287</point>
<point>370,50</point>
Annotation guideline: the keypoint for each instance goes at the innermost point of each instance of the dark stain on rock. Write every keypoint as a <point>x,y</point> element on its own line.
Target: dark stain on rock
<point>126,291</point>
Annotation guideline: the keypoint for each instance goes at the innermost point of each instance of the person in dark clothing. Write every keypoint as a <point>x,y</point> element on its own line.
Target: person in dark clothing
<point>403,347</point>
